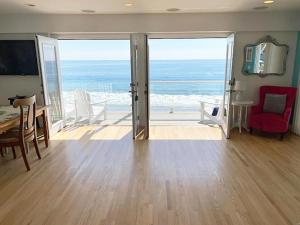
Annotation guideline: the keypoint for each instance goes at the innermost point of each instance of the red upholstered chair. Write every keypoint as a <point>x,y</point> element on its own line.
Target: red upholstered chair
<point>272,122</point>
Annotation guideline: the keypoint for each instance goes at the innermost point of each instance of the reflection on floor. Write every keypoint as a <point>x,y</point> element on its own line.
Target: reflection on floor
<point>182,175</point>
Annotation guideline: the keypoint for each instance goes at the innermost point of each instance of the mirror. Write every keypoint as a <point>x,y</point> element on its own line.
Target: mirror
<point>266,57</point>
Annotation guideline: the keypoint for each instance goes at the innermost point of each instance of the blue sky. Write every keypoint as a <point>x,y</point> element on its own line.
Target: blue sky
<point>213,48</point>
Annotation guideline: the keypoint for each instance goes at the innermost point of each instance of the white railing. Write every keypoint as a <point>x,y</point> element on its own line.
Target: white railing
<point>196,98</point>
<point>199,100</point>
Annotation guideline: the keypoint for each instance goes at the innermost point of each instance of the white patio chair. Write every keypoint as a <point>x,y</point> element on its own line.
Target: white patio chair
<point>203,113</point>
<point>84,108</point>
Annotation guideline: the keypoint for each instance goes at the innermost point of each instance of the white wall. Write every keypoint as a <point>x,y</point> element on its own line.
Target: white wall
<point>19,85</point>
<point>253,82</point>
<point>149,23</point>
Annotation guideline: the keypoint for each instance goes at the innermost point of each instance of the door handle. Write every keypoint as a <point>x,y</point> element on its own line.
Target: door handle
<point>230,91</point>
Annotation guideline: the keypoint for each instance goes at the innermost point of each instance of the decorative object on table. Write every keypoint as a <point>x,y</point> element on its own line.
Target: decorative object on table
<point>239,88</point>
<point>26,132</point>
<point>8,112</point>
<point>268,115</point>
<point>242,123</point>
<point>266,57</point>
<point>12,99</point>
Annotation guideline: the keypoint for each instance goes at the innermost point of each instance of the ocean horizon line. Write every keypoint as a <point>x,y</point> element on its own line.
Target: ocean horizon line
<point>129,59</point>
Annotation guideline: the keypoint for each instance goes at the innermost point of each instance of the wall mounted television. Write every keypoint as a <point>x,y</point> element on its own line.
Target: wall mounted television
<point>18,57</point>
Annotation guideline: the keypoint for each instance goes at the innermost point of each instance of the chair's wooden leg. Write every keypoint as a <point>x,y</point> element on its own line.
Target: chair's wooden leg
<point>27,147</point>
<point>1,152</point>
<point>36,146</point>
<point>45,128</point>
<point>251,130</point>
<point>14,152</point>
<point>282,136</point>
<point>23,151</point>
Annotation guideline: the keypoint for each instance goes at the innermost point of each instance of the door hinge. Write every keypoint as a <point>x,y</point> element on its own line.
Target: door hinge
<point>231,82</point>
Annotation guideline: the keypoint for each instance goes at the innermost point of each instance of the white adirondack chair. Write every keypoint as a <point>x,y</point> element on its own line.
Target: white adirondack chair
<point>205,114</point>
<point>84,108</point>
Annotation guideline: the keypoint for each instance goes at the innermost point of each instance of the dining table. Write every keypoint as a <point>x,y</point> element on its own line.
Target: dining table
<point>10,118</point>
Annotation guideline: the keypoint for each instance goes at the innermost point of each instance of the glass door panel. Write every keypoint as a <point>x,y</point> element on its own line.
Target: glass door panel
<point>50,69</point>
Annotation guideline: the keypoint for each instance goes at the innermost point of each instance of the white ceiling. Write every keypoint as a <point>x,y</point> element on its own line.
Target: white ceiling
<point>140,6</point>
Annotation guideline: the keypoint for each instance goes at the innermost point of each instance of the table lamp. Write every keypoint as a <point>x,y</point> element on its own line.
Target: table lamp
<point>239,87</point>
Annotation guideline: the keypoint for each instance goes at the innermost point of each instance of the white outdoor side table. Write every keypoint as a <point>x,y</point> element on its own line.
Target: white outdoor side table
<point>241,122</point>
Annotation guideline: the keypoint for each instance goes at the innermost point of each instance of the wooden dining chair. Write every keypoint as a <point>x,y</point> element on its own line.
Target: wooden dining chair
<point>26,132</point>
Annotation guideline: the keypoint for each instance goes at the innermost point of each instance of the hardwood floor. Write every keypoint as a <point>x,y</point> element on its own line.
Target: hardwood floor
<point>182,176</point>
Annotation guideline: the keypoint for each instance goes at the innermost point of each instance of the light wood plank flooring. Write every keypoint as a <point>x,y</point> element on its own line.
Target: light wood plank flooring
<point>181,176</point>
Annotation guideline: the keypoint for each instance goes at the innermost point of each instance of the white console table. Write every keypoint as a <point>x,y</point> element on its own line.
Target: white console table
<point>242,123</point>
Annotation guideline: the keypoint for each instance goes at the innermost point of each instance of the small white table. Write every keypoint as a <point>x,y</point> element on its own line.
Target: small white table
<point>241,105</point>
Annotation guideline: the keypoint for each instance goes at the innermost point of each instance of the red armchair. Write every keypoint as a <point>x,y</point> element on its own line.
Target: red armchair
<point>272,122</point>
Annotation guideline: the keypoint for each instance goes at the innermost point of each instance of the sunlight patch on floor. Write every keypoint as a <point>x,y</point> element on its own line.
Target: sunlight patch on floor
<point>74,132</point>
<point>157,132</point>
<point>185,133</point>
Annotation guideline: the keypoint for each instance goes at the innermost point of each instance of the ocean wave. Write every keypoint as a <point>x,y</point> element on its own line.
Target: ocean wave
<point>124,99</point>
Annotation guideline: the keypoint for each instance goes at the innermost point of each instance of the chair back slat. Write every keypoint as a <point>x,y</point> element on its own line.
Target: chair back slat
<point>30,116</point>
<point>27,112</point>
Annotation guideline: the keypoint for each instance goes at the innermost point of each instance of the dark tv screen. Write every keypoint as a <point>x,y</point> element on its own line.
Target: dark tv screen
<point>18,57</point>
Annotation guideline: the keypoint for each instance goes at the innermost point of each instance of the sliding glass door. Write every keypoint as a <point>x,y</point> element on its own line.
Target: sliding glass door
<point>51,81</point>
<point>139,85</point>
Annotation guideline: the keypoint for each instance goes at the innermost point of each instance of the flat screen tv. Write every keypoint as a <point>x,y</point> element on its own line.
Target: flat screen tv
<point>18,57</point>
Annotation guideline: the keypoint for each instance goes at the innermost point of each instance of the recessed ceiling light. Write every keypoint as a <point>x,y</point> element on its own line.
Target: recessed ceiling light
<point>268,1</point>
<point>173,9</point>
<point>128,4</point>
<point>31,5</point>
<point>260,8</point>
<point>88,11</point>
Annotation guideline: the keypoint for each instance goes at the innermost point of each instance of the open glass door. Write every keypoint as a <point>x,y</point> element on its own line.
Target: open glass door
<point>228,87</point>
<point>139,85</point>
<point>51,81</point>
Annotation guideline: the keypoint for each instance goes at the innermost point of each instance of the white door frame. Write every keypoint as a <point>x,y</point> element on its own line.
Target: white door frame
<point>41,40</point>
<point>140,85</point>
<point>229,81</point>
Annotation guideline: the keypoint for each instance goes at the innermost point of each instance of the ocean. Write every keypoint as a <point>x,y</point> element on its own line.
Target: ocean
<point>172,82</point>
